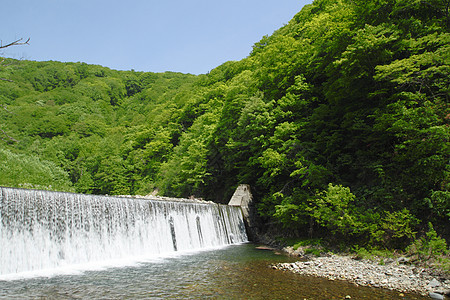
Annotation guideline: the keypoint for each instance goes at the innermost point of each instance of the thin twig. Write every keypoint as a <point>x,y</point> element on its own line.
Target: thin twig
<point>11,138</point>
<point>15,43</point>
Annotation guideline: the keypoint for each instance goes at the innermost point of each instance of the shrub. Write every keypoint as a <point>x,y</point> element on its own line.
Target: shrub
<point>395,229</point>
<point>24,171</point>
<point>334,209</point>
<point>429,246</point>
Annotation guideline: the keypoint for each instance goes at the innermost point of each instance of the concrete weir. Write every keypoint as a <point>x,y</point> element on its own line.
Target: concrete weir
<point>243,197</point>
<point>42,230</point>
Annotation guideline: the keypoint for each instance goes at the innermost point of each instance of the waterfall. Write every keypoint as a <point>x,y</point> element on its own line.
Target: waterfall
<point>44,230</point>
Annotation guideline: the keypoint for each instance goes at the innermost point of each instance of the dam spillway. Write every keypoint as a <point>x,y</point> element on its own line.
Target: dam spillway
<point>45,230</point>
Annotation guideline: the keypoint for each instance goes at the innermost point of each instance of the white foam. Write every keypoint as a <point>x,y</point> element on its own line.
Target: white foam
<point>50,233</point>
<point>80,269</point>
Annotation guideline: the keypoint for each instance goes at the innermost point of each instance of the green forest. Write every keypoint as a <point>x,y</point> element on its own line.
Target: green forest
<point>339,122</point>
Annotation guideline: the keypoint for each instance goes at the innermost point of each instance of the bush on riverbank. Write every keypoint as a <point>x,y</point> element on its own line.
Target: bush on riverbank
<point>429,246</point>
<point>428,250</point>
<point>335,211</point>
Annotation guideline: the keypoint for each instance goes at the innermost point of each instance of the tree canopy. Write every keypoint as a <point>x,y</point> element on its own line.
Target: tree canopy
<point>339,119</point>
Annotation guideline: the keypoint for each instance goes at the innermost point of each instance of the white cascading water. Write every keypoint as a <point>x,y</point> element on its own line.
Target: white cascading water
<point>45,230</point>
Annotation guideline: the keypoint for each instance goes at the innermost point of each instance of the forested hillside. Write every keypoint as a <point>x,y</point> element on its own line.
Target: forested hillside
<point>338,121</point>
<point>90,122</point>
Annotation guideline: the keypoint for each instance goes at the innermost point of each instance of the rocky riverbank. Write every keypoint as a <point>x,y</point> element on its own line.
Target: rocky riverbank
<point>392,274</point>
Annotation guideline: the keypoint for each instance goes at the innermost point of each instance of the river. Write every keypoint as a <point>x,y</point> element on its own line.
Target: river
<point>233,272</point>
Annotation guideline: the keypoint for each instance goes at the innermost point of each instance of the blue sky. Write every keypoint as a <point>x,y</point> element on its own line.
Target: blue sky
<point>145,35</point>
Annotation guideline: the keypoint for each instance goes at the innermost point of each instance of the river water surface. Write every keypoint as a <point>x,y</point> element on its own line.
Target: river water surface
<point>235,272</point>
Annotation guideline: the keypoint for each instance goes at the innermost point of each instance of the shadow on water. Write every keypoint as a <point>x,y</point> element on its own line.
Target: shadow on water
<point>235,272</point>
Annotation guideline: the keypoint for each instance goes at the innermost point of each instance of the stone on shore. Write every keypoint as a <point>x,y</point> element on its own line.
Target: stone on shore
<point>394,276</point>
<point>436,296</point>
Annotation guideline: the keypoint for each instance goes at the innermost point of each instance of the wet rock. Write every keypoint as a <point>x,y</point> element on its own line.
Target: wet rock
<point>436,296</point>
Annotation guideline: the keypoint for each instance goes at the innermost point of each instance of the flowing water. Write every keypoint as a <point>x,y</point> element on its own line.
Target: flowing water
<point>41,230</point>
<point>71,246</point>
<point>233,272</point>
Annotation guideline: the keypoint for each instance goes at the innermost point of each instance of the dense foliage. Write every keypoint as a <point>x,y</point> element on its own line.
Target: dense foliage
<point>91,121</point>
<point>338,121</point>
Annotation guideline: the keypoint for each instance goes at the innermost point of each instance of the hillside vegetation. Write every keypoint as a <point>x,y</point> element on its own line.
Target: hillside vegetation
<point>339,121</point>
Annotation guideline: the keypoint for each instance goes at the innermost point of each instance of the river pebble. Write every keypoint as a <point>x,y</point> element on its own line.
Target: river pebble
<point>393,276</point>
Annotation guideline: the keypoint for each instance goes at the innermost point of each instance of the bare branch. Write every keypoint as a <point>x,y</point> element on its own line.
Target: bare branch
<point>15,43</point>
<point>5,107</point>
<point>10,138</point>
